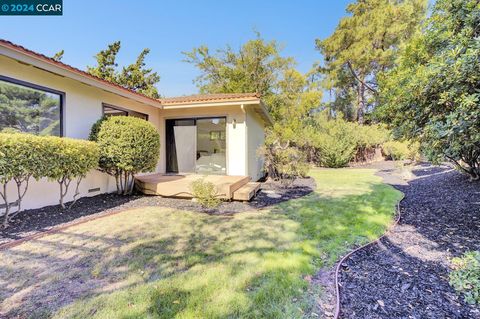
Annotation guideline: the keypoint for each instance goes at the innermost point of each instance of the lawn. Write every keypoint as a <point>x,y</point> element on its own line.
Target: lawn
<point>161,263</point>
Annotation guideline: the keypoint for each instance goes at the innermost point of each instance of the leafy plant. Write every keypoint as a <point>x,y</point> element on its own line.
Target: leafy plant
<point>433,95</point>
<point>21,158</point>
<point>205,193</point>
<point>66,160</point>
<point>335,141</point>
<point>128,145</point>
<point>465,276</point>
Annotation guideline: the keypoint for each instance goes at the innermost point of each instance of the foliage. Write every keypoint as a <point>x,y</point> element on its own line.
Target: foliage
<point>433,94</point>
<point>135,76</point>
<point>465,276</point>
<point>205,193</point>
<point>128,145</point>
<point>28,110</point>
<point>21,158</point>
<point>26,156</point>
<point>283,161</point>
<point>364,44</point>
<point>335,140</point>
<point>58,56</point>
<point>396,150</point>
<point>68,159</point>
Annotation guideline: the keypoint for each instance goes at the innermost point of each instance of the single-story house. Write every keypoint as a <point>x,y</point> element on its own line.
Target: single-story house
<point>213,134</point>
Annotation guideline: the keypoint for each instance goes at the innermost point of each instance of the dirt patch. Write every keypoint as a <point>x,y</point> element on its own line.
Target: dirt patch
<point>34,221</point>
<point>405,275</point>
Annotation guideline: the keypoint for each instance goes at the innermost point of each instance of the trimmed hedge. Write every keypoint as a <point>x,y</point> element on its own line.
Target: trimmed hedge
<point>128,145</point>
<point>23,156</point>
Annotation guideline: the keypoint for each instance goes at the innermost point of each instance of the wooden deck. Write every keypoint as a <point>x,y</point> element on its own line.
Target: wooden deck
<point>179,185</point>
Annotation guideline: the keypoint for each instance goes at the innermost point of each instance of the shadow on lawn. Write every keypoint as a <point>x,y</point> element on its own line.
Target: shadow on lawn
<point>182,262</point>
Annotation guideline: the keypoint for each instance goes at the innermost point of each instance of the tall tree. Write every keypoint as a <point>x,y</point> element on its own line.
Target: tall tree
<point>256,67</point>
<point>364,44</point>
<point>106,63</point>
<point>135,76</point>
<point>138,78</point>
<point>434,93</point>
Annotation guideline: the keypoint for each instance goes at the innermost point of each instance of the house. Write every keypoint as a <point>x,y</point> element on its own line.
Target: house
<point>216,134</point>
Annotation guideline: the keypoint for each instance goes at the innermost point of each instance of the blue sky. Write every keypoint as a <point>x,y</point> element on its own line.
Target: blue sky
<point>170,27</point>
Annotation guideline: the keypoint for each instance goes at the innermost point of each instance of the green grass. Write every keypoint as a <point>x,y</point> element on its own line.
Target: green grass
<point>161,263</point>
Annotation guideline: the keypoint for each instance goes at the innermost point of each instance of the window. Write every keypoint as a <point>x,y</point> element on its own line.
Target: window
<point>30,108</point>
<point>110,110</point>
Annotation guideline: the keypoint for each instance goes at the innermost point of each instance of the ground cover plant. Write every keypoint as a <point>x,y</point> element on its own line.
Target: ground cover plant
<point>465,276</point>
<point>165,263</point>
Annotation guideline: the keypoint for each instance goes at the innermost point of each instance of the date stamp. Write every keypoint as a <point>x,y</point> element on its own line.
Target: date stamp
<point>31,7</point>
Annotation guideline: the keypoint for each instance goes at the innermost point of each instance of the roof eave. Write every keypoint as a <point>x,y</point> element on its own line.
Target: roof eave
<point>43,64</point>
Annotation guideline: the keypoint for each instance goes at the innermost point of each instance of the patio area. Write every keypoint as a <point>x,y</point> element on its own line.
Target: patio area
<point>178,185</point>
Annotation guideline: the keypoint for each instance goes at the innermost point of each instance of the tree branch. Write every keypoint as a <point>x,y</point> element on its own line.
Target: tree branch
<point>350,67</point>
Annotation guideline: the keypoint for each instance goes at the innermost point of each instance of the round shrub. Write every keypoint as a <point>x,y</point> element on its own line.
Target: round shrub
<point>128,145</point>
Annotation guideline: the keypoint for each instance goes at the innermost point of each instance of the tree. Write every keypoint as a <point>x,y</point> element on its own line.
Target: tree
<point>106,63</point>
<point>364,44</point>
<point>256,67</point>
<point>58,56</point>
<point>135,76</point>
<point>138,78</point>
<point>434,93</point>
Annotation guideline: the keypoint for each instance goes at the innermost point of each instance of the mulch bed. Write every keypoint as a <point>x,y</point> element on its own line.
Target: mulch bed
<point>405,275</point>
<point>34,221</point>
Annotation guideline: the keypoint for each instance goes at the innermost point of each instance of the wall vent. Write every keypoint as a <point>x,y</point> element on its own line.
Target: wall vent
<point>93,190</point>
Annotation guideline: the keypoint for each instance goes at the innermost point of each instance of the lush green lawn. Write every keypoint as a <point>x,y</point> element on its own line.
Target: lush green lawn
<point>161,263</point>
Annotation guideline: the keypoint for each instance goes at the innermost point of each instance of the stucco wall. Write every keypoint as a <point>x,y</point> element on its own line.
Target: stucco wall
<point>255,139</point>
<point>82,107</point>
<point>235,135</point>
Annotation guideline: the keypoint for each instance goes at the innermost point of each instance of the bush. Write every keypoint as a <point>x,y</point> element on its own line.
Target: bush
<point>68,159</point>
<point>336,141</point>
<point>465,276</point>
<point>368,139</point>
<point>128,145</point>
<point>21,158</point>
<point>284,162</point>
<point>205,193</point>
<point>402,150</point>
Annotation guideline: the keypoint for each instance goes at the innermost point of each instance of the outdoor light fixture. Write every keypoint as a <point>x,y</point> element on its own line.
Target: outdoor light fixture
<point>234,123</point>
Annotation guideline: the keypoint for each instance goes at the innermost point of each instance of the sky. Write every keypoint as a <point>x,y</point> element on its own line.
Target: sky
<point>169,28</point>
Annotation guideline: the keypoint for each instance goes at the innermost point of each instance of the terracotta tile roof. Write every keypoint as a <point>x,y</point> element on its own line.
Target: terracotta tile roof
<point>209,98</point>
<point>65,66</point>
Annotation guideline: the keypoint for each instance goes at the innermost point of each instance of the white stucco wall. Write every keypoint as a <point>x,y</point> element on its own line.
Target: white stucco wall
<point>235,135</point>
<point>82,107</point>
<point>255,139</point>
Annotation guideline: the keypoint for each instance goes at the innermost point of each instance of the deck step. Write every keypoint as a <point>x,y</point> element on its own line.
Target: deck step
<point>247,191</point>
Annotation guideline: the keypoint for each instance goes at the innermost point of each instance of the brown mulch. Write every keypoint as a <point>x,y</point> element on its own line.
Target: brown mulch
<point>405,275</point>
<point>34,221</point>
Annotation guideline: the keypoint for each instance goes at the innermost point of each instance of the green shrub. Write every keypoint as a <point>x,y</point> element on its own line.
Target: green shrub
<point>68,159</point>
<point>283,162</point>
<point>205,193</point>
<point>368,139</point>
<point>336,141</point>
<point>21,158</point>
<point>128,145</point>
<point>465,276</point>
<point>402,150</point>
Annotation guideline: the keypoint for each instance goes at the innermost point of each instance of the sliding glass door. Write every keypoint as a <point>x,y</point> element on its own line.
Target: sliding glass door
<point>196,145</point>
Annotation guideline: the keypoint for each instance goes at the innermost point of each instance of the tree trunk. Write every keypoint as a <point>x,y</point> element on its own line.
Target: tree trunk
<point>7,205</point>
<point>361,104</point>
